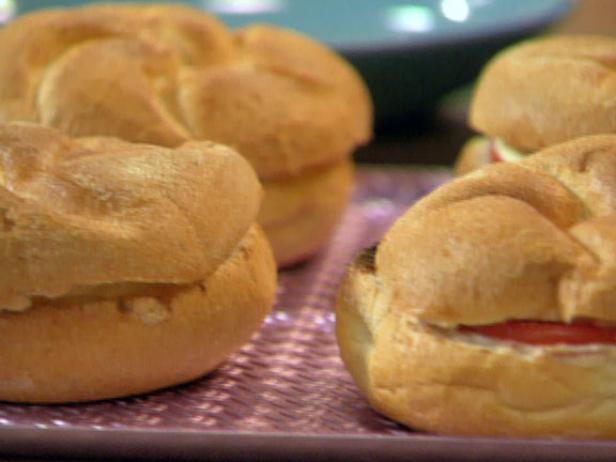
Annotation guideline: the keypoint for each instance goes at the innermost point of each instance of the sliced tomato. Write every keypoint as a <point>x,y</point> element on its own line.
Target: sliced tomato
<point>495,156</point>
<point>546,333</point>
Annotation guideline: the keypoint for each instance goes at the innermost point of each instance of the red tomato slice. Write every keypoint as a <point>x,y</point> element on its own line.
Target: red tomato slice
<point>494,154</point>
<point>546,333</point>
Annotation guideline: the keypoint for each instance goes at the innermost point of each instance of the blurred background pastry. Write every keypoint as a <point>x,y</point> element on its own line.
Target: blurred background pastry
<point>166,74</point>
<point>539,93</point>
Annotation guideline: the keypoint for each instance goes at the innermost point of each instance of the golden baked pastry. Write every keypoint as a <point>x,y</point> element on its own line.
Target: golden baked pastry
<point>125,267</point>
<point>166,74</point>
<point>490,307</point>
<point>539,93</point>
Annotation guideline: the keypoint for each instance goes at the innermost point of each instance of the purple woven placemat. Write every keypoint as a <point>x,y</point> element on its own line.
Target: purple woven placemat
<point>289,378</point>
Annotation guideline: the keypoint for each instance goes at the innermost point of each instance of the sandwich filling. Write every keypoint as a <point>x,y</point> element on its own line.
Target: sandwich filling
<point>547,333</point>
<point>502,152</point>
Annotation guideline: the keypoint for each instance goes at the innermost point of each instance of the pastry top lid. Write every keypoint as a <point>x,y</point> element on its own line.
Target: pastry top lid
<point>81,215</point>
<point>546,91</point>
<point>531,240</point>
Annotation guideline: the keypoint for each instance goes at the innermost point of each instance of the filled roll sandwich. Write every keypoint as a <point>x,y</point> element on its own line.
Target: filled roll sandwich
<point>489,308</point>
<point>540,93</point>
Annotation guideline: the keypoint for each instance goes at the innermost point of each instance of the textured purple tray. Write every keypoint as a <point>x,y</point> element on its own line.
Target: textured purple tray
<point>284,396</point>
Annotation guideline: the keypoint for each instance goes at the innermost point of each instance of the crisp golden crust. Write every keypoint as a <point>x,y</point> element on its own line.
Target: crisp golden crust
<point>118,256</point>
<point>531,240</point>
<point>164,74</point>
<point>510,240</point>
<point>299,214</point>
<point>99,346</point>
<point>548,91</point>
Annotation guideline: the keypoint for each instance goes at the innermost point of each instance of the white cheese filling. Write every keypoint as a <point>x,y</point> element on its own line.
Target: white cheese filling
<point>506,152</point>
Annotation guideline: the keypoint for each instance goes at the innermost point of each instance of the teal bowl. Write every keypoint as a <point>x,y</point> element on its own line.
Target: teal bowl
<point>410,53</point>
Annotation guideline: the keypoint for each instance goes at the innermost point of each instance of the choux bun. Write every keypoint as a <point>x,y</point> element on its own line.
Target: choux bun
<point>543,92</point>
<point>125,267</point>
<point>488,308</point>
